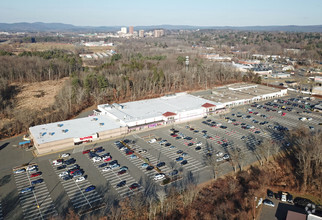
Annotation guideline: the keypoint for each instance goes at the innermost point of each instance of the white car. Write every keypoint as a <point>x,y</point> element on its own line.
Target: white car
<point>219,159</point>
<point>65,173</point>
<point>58,162</point>
<point>32,168</point>
<point>302,119</point>
<point>199,144</point>
<point>252,127</point>
<point>152,141</point>
<point>65,155</point>
<point>96,159</point>
<point>20,170</point>
<point>226,157</point>
<point>279,112</point>
<point>80,179</point>
<point>106,169</point>
<point>309,119</point>
<point>159,176</point>
<point>219,154</point>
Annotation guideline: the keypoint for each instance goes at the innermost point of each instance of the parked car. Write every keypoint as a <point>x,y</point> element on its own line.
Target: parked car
<point>96,159</point>
<point>80,179</point>
<point>149,168</point>
<point>115,166</point>
<point>198,148</point>
<point>144,165</point>
<point>86,151</point>
<point>134,186</point>
<point>219,159</point>
<point>20,170</point>
<point>58,162</point>
<point>67,177</point>
<point>35,174</point>
<point>270,193</point>
<point>121,184</point>
<point>90,188</point>
<point>124,168</point>
<point>61,167</point>
<point>161,164</point>
<point>226,156</point>
<point>289,198</point>
<point>184,162</point>
<point>32,168</point>
<point>121,172</point>
<point>106,169</point>
<point>159,176</point>
<point>179,151</point>
<point>28,189</point>
<point>37,181</point>
<point>70,161</point>
<point>173,173</point>
<point>179,158</point>
<point>102,165</point>
<point>65,173</point>
<point>65,155</point>
<point>268,202</point>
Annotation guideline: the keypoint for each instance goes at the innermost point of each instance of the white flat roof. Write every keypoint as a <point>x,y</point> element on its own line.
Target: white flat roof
<point>75,128</point>
<point>153,108</point>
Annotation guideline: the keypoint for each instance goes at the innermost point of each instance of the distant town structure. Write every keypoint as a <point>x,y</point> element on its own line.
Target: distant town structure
<point>124,30</point>
<point>141,33</point>
<point>131,30</point>
<point>158,33</point>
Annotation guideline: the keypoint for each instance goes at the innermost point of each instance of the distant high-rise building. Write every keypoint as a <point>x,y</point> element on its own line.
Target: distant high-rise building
<point>131,30</point>
<point>141,33</point>
<point>124,30</point>
<point>158,33</point>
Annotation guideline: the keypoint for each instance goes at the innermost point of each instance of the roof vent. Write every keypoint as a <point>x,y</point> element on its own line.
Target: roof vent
<point>60,125</point>
<point>65,130</point>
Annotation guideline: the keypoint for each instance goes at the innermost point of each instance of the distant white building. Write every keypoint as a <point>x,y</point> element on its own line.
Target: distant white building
<point>281,75</point>
<point>288,68</point>
<point>124,30</point>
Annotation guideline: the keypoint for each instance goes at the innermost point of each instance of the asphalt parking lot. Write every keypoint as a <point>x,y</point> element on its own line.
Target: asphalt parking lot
<point>35,199</point>
<point>243,128</point>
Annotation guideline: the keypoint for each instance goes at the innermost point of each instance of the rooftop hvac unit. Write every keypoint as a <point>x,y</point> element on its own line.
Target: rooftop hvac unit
<point>51,133</point>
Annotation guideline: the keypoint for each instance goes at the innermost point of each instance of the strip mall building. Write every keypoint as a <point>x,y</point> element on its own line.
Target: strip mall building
<point>115,120</point>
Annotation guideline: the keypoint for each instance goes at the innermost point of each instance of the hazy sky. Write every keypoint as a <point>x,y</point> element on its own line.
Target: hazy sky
<point>156,12</point>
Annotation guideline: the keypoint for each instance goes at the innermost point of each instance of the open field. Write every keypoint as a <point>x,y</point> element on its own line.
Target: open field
<point>38,95</point>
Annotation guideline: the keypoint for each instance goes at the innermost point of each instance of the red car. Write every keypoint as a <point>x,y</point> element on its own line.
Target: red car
<point>73,171</point>
<point>129,152</point>
<point>134,186</point>
<point>121,172</point>
<point>108,159</point>
<point>86,151</point>
<point>35,174</point>
<point>283,113</point>
<point>174,135</point>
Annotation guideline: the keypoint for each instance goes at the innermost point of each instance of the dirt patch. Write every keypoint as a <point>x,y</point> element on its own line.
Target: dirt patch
<point>38,95</point>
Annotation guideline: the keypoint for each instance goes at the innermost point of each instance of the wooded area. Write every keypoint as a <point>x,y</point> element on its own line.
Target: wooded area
<point>142,68</point>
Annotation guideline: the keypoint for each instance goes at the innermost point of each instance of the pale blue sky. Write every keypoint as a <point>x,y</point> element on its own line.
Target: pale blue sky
<point>156,12</point>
